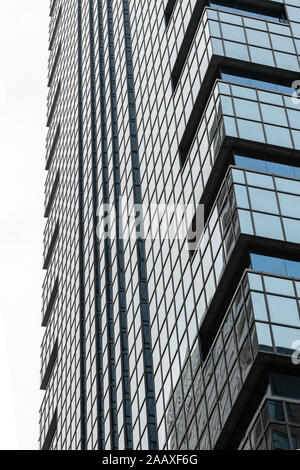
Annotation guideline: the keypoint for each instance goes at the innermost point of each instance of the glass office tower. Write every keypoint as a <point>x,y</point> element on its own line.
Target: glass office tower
<point>150,342</point>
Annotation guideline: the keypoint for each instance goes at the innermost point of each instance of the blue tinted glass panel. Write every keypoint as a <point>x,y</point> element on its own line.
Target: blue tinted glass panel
<point>268,264</point>
<point>285,338</point>
<point>256,80</point>
<point>278,285</point>
<point>283,310</point>
<point>266,166</point>
<point>280,169</point>
<point>267,226</point>
<point>275,265</point>
<point>293,268</point>
<point>228,77</point>
<point>259,306</point>
<point>250,163</point>
<point>263,334</point>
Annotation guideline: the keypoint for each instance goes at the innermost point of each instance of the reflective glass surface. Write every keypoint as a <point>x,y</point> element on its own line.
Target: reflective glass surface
<point>137,110</point>
<point>249,9</point>
<point>275,265</point>
<point>257,80</point>
<point>267,166</point>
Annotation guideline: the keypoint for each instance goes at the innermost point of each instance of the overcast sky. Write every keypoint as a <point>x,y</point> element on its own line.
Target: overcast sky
<point>23,48</point>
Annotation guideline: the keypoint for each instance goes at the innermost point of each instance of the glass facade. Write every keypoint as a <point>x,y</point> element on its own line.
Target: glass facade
<point>151,343</point>
<point>276,425</point>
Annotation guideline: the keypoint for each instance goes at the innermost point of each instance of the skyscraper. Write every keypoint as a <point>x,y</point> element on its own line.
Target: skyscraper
<point>152,342</point>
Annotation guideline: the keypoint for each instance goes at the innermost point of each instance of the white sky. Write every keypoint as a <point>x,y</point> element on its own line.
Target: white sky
<point>23,78</point>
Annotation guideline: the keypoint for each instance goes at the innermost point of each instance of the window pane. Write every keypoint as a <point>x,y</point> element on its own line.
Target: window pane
<point>267,226</point>
<point>292,268</point>
<point>292,230</point>
<point>255,281</point>
<point>246,109</point>
<point>273,115</point>
<point>295,437</point>
<point>280,440</point>
<point>262,200</point>
<point>278,136</point>
<point>251,130</point>
<point>284,338</point>
<point>263,334</point>
<point>289,204</point>
<point>241,196</point>
<point>267,263</point>
<point>253,163</point>
<point>275,265</point>
<point>259,306</point>
<point>256,179</point>
<point>287,185</point>
<point>245,222</point>
<point>278,286</point>
<point>283,310</point>
<point>293,412</point>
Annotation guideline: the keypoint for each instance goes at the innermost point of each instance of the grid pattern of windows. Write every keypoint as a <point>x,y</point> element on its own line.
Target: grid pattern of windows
<point>269,207</point>
<point>210,389</point>
<point>276,426</point>
<point>238,112</point>
<point>267,166</point>
<point>233,37</point>
<point>128,318</point>
<point>257,80</point>
<point>274,13</point>
<point>63,389</point>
